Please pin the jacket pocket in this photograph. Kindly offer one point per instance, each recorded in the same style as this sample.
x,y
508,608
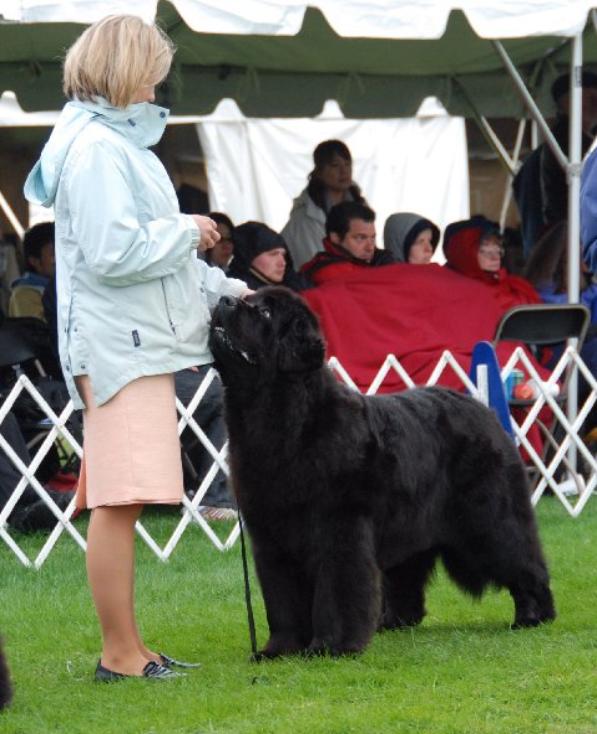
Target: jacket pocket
x,y
185,303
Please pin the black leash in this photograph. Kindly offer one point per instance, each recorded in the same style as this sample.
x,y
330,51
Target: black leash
x,y
250,617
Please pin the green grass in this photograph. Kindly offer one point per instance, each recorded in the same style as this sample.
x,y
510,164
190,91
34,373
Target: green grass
x,y
463,670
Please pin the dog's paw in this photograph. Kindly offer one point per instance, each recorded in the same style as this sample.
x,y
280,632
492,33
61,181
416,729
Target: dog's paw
x,y
400,621
279,647
321,648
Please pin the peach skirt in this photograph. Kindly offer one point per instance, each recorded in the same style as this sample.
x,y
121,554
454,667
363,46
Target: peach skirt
x,y
131,450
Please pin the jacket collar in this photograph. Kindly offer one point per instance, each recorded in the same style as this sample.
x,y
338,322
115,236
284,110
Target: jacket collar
x,y
142,123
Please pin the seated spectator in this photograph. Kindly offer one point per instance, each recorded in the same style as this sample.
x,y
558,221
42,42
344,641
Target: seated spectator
x,y
221,253
330,182
349,245
547,271
473,247
9,269
27,291
410,238
261,258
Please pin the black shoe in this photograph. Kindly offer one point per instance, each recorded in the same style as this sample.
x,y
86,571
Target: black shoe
x,y
151,670
169,662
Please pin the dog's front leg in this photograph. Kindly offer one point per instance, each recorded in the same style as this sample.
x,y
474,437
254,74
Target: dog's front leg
x,y
287,596
347,599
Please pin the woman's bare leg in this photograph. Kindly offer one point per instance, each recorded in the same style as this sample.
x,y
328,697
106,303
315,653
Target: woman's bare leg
x,y
111,574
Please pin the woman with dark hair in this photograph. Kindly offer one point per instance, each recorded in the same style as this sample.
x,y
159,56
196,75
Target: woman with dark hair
x,y
261,258
222,252
330,182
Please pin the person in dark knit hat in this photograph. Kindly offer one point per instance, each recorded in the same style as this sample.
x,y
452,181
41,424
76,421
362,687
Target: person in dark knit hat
x,y
410,238
261,258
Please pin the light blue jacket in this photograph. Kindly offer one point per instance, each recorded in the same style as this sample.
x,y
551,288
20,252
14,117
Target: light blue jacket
x,y
133,298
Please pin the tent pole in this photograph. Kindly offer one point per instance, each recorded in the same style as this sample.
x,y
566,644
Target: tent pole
x,y
574,171
522,124
488,132
11,216
548,136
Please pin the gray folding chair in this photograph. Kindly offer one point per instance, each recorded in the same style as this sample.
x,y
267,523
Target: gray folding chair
x,y
540,326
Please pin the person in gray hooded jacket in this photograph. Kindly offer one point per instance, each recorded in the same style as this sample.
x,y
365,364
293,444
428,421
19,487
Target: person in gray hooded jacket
x,y
410,238
133,303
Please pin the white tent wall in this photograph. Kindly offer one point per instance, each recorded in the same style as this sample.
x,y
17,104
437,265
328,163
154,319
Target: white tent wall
x,y
257,166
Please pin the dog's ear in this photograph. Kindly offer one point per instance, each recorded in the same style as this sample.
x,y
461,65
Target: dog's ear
x,y
302,348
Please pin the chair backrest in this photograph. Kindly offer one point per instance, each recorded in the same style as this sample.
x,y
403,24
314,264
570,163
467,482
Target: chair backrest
x,y
544,323
14,346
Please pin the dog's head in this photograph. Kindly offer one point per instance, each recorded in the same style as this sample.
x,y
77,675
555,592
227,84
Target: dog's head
x,y
268,334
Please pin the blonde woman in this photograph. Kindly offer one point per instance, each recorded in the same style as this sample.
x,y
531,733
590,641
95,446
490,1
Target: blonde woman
x,y
133,306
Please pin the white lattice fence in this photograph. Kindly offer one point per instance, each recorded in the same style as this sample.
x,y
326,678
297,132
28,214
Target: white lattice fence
x,y
191,516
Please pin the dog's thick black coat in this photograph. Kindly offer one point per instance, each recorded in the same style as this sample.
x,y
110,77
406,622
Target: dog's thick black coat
x,y
349,499
5,687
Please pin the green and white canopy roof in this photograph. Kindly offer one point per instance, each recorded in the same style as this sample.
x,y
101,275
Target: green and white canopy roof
x,y
378,58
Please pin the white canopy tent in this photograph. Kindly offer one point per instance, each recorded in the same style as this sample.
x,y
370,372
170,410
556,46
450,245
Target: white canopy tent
x,y
286,57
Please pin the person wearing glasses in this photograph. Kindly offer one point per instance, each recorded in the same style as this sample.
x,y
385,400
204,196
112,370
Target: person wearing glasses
x,y
474,248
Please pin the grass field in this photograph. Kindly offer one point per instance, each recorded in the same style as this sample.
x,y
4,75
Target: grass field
x,y
463,670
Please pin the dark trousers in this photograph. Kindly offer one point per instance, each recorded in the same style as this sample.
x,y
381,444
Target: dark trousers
x,y
210,416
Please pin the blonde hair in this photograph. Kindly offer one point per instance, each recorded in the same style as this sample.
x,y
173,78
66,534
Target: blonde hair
x,y
114,58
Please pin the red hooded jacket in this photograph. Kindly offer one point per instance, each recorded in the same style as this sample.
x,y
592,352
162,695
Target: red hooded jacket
x,y
461,246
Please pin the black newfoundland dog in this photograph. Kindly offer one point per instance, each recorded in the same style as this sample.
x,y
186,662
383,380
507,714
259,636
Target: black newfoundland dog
x,y
349,500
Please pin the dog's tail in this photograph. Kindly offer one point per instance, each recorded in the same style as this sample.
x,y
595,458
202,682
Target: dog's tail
x,y
5,686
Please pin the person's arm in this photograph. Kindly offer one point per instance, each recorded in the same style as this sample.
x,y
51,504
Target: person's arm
x,y
217,284
104,218
588,212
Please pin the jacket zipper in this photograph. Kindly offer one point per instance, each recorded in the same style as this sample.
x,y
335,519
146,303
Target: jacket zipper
x,y
167,307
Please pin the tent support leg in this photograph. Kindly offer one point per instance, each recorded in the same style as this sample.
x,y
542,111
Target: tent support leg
x,y
522,124
531,105
574,172
488,132
11,216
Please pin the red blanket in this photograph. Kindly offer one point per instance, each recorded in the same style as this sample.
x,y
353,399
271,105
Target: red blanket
x,y
412,311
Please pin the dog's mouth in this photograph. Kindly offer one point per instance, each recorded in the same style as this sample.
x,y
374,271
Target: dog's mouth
x,y
223,337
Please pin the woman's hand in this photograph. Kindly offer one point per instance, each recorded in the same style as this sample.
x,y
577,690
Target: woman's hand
x,y
245,293
209,233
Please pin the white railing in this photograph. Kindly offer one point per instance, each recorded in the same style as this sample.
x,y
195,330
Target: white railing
x,y
584,483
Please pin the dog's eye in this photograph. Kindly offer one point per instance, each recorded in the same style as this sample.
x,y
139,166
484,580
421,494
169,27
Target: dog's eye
x,y
265,312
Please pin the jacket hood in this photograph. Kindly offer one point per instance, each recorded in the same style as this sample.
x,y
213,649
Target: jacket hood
x,y
142,123
401,230
461,246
